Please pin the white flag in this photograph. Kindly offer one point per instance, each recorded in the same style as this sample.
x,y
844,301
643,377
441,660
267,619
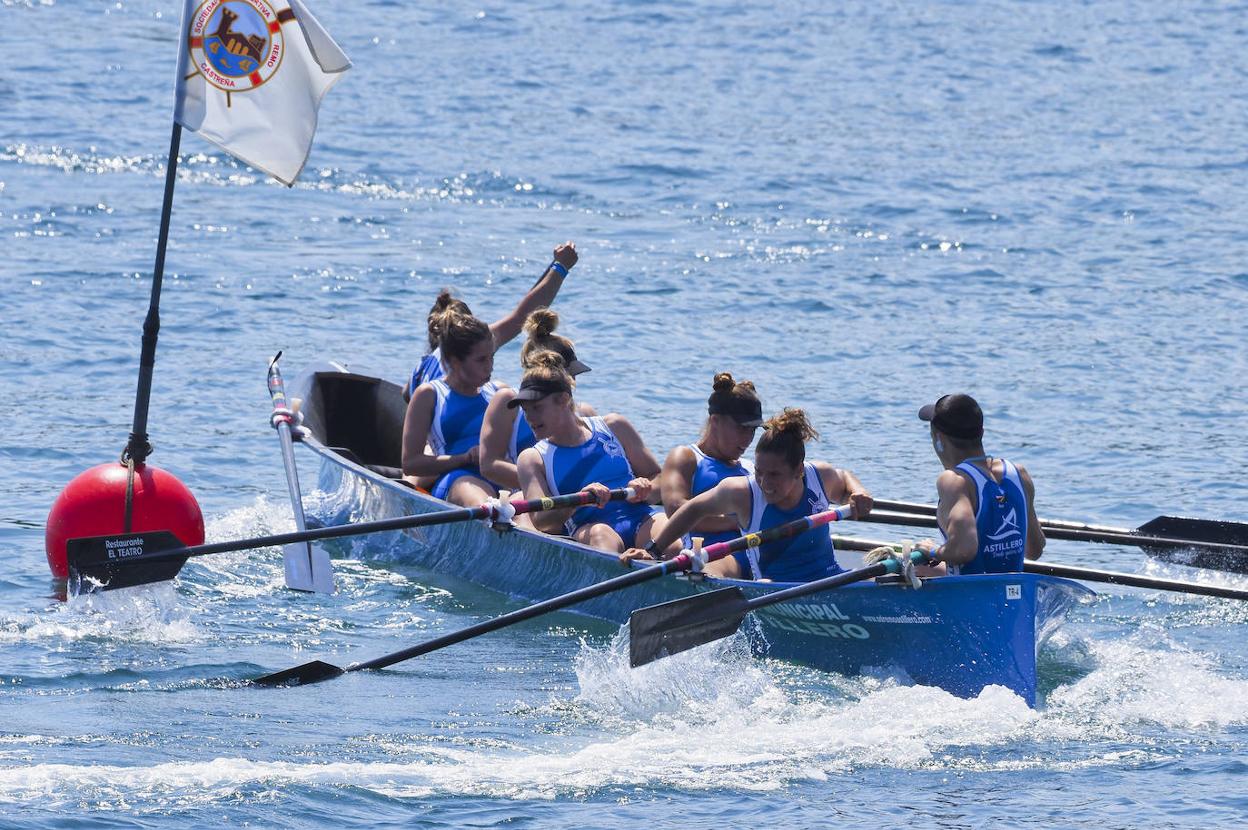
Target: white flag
x,y
251,75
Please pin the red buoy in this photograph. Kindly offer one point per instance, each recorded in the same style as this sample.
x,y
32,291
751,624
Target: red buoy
x,y
94,504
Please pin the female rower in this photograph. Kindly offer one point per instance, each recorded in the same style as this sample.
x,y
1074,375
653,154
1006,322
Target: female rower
x,y
443,424
734,415
506,433
575,453
432,366
784,486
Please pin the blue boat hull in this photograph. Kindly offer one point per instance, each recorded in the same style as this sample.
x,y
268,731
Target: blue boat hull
x,y
958,633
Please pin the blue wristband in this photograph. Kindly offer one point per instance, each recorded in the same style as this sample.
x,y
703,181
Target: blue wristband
x,y
558,268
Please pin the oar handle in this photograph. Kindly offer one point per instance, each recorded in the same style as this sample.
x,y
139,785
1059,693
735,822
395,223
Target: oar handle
x,y
580,499
277,392
719,550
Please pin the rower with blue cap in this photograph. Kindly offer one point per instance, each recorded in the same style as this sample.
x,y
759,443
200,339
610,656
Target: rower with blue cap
x,y
734,414
986,509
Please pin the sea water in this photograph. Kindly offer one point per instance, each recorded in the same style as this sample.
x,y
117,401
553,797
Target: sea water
x,y
859,206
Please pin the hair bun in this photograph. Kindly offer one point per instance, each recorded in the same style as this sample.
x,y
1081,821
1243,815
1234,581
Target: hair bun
x,y
723,382
541,323
546,359
793,421
444,301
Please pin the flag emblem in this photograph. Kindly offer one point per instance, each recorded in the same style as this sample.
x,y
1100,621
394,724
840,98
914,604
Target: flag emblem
x,y
274,63
236,45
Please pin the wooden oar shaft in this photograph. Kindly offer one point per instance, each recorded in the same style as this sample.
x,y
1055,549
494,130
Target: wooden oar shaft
x,y
850,543
1134,580
930,510
1129,537
589,592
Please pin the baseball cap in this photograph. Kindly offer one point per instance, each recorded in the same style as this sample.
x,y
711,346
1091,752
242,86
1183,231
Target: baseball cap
x,y
955,415
534,389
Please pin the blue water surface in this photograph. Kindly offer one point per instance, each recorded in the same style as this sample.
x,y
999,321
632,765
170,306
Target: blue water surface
x,y
859,206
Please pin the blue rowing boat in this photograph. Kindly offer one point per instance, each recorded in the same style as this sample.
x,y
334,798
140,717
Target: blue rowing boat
x,y
959,633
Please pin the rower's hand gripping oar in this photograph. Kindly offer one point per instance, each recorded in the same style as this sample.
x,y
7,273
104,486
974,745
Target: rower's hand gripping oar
x,y
672,627
307,568
109,562
1225,544
318,670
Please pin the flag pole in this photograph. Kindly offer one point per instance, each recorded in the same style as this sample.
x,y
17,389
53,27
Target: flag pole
x,y
138,448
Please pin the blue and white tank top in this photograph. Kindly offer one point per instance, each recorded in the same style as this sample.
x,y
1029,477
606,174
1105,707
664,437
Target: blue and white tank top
x,y
428,370
457,418
1000,522
522,436
601,458
800,558
708,473
711,471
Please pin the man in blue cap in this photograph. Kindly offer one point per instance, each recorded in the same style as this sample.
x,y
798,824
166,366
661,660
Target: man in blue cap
x,y
986,509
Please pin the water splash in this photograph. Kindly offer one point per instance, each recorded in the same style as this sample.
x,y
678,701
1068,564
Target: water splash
x,y
1147,680
146,614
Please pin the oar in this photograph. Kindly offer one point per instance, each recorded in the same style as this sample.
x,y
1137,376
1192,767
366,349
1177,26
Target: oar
x,y
1084,574
1225,542
109,562
672,627
318,670
307,568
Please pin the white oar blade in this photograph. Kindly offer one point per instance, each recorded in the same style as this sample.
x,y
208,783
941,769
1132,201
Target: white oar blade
x,y
322,572
308,569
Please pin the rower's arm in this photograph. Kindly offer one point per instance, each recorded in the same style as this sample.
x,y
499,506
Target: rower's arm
x,y
955,514
676,481
1035,533
496,430
843,486
415,460
540,295
643,462
531,471
676,486
731,497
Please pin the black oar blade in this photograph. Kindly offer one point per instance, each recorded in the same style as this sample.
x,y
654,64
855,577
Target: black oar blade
x,y
1199,530
313,672
106,563
672,627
